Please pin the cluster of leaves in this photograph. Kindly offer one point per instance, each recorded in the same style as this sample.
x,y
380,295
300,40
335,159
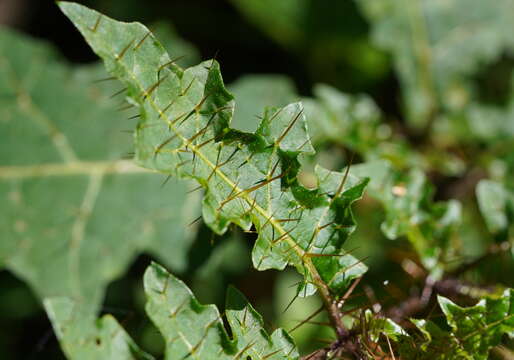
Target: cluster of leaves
x,y
260,177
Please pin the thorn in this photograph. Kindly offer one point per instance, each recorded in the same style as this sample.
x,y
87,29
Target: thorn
x,y
134,117
345,177
230,157
163,144
122,53
305,143
291,302
105,79
253,188
199,133
229,195
205,142
126,107
289,127
171,62
168,106
308,319
166,181
188,87
243,350
271,354
195,220
282,236
194,163
331,255
288,220
216,166
274,115
348,292
199,106
274,167
193,190
95,27
118,92
142,40
153,87
182,163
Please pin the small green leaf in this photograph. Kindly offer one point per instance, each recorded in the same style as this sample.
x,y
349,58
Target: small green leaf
x,y
473,330
197,331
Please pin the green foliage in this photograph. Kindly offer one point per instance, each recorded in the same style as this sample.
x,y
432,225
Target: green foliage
x,y
61,242
248,178
194,330
437,48
496,204
189,328
473,330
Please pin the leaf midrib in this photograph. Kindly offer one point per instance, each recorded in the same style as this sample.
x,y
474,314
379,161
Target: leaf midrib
x,y
71,169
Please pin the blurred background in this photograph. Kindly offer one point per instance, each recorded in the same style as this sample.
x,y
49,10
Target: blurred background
x,y
320,42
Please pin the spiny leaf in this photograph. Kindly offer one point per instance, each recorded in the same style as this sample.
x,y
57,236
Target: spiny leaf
x,y
248,178
474,330
196,331
74,214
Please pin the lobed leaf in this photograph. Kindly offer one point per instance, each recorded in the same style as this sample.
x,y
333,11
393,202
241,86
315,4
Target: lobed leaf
x,y
474,330
249,179
196,331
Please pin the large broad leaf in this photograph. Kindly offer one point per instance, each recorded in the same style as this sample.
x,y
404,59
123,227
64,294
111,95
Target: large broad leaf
x,y
474,330
437,46
249,179
83,337
74,214
196,331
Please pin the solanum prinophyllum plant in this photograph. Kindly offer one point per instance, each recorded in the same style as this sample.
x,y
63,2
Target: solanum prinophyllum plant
x,y
264,182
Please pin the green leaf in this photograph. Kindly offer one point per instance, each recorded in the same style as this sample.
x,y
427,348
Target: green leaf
x,y
74,215
493,200
378,326
196,331
474,330
248,178
437,47
481,326
82,337
410,210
